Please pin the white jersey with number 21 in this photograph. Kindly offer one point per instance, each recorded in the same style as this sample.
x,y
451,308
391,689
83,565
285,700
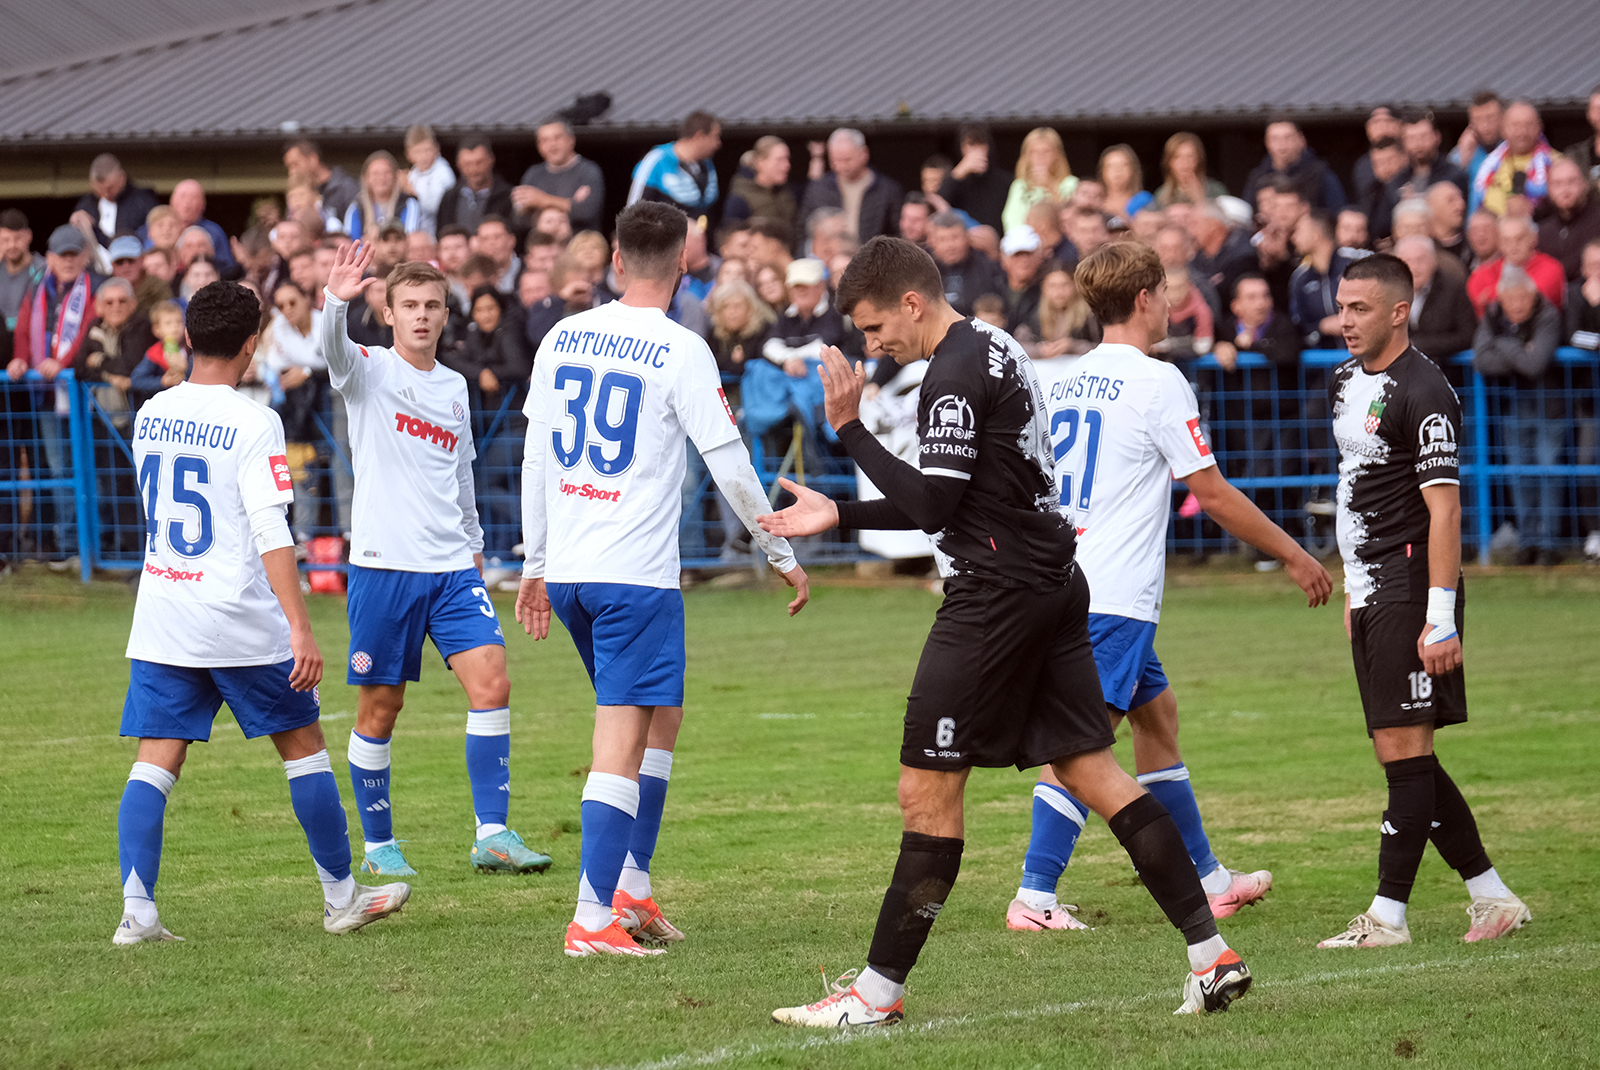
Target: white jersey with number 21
x,y
1123,426
615,390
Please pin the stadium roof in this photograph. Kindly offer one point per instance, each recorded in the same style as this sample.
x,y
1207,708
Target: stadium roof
x,y
80,71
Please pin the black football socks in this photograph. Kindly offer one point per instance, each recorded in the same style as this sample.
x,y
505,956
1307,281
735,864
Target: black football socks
x,y
923,876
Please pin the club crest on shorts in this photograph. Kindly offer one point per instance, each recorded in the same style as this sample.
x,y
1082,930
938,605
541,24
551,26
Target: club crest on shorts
x,y
361,662
457,411
1374,417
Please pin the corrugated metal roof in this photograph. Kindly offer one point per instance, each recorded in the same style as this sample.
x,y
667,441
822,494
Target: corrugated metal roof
x,y
370,66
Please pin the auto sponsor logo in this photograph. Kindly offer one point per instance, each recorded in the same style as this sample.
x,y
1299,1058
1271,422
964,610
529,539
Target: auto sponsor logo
x,y
1436,434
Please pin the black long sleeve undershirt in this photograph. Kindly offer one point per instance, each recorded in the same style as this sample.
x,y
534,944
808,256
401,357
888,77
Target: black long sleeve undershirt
x,y
910,498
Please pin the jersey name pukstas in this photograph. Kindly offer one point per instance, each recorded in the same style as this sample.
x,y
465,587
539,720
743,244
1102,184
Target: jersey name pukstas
x,y
1123,425
207,457
1398,431
415,508
615,391
981,418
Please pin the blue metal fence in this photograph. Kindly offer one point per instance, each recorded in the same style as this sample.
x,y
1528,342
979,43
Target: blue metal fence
x,y
1529,459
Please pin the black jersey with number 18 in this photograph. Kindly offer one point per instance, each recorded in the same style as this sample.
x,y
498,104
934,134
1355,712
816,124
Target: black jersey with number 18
x,y
1398,431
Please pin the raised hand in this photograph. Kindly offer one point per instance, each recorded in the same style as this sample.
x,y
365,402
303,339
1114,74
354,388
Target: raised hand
x,y
347,280
841,387
811,514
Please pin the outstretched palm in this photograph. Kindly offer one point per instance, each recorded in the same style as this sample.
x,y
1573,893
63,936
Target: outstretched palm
x,y
811,514
347,279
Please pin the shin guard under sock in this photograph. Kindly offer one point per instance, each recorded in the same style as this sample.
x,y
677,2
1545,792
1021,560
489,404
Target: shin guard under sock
x,y
923,877
1406,824
1155,846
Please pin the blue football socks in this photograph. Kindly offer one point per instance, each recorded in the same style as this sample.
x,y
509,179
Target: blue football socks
x,y
1058,820
654,773
489,767
139,823
610,804
1171,788
314,794
369,783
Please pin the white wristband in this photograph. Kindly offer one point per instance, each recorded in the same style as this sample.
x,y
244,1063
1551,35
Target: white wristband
x,y
1441,615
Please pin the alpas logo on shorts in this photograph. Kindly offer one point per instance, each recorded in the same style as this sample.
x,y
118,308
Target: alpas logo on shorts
x,y
280,471
361,662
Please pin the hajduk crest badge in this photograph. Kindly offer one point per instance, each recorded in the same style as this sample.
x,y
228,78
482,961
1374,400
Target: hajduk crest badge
x,y
1374,417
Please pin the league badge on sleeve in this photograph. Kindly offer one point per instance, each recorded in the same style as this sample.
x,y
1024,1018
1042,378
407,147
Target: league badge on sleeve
x,y
457,411
280,471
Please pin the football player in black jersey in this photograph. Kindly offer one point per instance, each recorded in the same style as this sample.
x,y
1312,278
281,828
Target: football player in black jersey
x,y
1397,423
1008,674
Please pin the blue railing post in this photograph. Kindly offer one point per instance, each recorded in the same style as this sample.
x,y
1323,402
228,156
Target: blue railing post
x,y
1480,446
81,437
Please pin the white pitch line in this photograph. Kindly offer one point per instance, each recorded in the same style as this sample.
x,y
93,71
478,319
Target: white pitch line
x,y
835,1038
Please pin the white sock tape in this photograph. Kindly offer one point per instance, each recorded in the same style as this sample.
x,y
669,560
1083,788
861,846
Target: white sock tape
x,y
155,776
1160,776
489,722
1441,614
1059,803
307,766
365,754
656,763
613,790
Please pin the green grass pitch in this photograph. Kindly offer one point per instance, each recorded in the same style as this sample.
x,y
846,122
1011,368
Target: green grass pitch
x,y
780,833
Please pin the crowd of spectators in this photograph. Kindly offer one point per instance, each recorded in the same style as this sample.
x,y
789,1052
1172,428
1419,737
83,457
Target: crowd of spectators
x,y
1501,232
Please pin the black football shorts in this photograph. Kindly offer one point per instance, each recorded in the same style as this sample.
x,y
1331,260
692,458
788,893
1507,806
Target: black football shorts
x,y
1395,691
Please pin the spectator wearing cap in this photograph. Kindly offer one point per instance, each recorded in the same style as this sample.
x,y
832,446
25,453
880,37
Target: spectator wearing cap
x,y
1287,154
562,179
127,262
1042,174
334,186
1022,255
381,200
761,189
480,192
967,273
972,186
20,266
1442,317
1518,168
1183,169
1518,248
808,323
1574,219
1586,153
1515,347
1314,285
870,199
680,172
1382,125
113,205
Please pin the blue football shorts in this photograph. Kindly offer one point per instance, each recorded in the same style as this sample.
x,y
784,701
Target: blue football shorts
x,y
179,702
630,639
1125,655
392,611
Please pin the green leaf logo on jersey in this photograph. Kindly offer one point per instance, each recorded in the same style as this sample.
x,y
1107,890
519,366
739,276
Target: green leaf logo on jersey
x,y
1374,417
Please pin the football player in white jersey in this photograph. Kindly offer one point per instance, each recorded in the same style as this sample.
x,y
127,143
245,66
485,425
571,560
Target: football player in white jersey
x,y
220,617
615,392
1123,426
416,557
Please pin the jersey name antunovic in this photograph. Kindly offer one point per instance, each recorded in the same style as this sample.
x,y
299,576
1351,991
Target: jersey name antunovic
x,y
1398,431
615,390
207,457
1123,426
411,441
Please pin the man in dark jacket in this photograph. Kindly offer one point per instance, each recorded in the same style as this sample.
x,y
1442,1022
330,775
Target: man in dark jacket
x,y
1515,347
480,192
1442,317
113,205
1586,153
336,186
870,199
974,186
1574,220
967,273
1287,154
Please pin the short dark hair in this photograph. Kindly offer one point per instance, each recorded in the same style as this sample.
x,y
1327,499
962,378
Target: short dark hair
x,y
256,240
1252,276
478,264
540,237
939,161
771,229
305,146
1413,116
650,237
454,230
1322,219
475,140
1283,185
556,120
697,122
974,134
1485,96
916,196
221,318
494,217
1111,278
883,270
1388,271
13,219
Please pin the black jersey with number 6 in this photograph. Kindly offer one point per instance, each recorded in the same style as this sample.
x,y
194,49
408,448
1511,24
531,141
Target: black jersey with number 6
x,y
1398,431
981,419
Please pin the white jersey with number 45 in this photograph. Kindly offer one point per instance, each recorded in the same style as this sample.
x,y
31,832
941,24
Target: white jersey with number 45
x,y
614,392
1123,426
208,458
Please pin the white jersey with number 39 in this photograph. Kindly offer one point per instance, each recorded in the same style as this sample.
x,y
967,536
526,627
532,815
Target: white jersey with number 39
x,y
615,390
1123,426
207,458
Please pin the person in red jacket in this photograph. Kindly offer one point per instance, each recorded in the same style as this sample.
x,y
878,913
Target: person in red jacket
x,y
1519,248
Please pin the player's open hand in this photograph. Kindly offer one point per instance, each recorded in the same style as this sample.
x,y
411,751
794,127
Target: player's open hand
x,y
841,387
346,280
307,671
811,514
796,578
1439,659
533,608
1313,579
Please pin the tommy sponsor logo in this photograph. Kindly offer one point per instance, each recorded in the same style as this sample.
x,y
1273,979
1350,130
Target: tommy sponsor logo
x,y
173,574
419,428
1199,438
280,471
361,662
592,492
726,407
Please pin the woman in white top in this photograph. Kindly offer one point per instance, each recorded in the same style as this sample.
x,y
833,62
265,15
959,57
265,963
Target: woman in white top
x,y
1043,174
381,200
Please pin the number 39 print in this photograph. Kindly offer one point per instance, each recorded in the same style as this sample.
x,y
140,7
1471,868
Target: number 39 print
x,y
613,416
